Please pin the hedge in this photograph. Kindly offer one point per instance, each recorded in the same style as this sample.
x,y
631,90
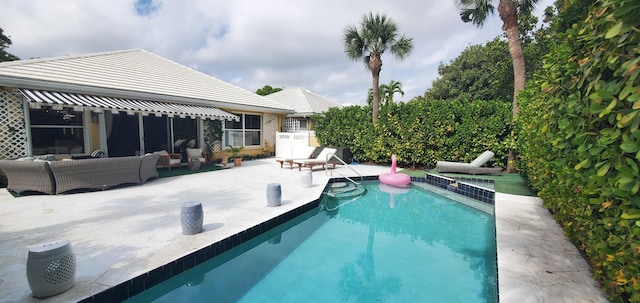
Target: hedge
x,y
419,133
579,143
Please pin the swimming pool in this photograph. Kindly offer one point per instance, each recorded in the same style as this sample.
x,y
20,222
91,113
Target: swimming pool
x,y
413,246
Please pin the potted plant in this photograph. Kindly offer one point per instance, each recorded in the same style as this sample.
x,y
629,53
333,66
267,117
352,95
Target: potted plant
x,y
235,154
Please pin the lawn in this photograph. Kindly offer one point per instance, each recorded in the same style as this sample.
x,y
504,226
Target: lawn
x,y
513,184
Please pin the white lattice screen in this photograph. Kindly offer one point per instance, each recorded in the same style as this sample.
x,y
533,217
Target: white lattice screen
x,y
13,138
291,125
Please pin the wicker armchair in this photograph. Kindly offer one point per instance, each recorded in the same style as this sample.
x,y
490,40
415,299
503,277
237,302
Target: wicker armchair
x,y
168,160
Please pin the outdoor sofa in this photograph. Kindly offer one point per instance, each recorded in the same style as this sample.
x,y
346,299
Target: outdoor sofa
x,y
55,177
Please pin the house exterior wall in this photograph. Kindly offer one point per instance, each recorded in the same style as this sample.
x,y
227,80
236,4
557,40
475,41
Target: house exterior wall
x,y
13,132
14,141
270,125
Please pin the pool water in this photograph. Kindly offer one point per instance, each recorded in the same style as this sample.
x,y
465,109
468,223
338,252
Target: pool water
x,y
405,246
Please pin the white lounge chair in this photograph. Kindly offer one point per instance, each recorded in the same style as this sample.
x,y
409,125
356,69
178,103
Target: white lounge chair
x,y
321,159
299,154
473,168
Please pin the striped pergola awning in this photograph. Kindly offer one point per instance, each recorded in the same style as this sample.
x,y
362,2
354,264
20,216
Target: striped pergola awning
x,y
81,102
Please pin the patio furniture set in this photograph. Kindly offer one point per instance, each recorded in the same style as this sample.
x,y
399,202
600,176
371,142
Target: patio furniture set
x,y
56,177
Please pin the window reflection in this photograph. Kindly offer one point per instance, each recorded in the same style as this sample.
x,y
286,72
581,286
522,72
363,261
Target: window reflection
x,y
245,132
56,131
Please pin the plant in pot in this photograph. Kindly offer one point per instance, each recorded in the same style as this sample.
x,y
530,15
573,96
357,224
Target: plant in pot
x,y
235,154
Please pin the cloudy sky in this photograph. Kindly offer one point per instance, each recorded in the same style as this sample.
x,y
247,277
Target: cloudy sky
x,y
251,43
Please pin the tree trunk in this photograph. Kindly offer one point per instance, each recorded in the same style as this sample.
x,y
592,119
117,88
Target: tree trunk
x,y
375,65
509,15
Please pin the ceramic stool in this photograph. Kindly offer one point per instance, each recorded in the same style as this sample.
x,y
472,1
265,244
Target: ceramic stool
x,y
194,163
274,194
191,217
307,179
51,268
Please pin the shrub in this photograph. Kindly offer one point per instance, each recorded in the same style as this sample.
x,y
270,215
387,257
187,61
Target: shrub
x,y
580,146
419,133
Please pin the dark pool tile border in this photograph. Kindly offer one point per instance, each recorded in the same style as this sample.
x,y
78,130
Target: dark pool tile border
x,y
478,193
128,289
152,278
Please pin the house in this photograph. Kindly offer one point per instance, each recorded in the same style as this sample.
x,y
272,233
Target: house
x,y
297,126
125,103
305,103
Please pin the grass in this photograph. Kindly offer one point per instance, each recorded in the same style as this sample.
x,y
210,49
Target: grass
x,y
513,184
184,170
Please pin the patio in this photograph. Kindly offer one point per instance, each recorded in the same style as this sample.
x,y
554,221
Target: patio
x,y
119,234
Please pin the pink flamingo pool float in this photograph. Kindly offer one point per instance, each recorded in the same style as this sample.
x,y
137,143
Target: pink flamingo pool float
x,y
394,178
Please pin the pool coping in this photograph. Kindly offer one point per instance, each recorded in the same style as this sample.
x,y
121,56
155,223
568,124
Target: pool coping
x,y
136,285
536,262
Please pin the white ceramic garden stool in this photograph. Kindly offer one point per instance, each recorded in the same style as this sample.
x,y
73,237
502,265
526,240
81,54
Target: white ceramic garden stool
x,y
51,268
307,179
274,194
191,217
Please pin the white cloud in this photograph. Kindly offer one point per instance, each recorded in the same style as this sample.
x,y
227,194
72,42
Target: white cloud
x,y
250,43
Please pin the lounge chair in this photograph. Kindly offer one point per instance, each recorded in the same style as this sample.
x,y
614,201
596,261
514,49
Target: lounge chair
x,y
473,168
321,159
299,154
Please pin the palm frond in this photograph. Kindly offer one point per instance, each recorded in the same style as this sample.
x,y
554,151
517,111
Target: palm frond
x,y
402,47
475,11
526,6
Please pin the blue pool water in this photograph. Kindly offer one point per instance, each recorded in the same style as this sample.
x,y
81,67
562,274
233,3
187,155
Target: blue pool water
x,y
403,247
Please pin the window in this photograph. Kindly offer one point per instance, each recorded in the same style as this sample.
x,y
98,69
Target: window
x,y
56,131
245,132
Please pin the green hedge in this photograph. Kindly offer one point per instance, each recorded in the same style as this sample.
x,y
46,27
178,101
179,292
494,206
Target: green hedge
x,y
419,133
580,146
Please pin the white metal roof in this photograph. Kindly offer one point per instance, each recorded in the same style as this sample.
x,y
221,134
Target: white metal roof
x,y
135,74
303,101
80,102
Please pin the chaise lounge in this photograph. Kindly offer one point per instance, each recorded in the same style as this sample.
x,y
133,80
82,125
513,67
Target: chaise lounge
x,y
302,153
473,168
321,159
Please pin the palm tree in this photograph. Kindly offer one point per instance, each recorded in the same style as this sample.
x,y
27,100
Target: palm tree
x,y
477,11
386,92
376,35
391,89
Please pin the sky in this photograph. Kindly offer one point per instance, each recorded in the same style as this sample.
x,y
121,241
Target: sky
x,y
252,43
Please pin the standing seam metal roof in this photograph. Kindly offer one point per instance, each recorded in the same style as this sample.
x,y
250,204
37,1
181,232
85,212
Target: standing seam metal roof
x,y
135,71
303,101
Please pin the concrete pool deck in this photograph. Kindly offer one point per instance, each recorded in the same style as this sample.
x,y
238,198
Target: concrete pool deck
x,y
119,234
